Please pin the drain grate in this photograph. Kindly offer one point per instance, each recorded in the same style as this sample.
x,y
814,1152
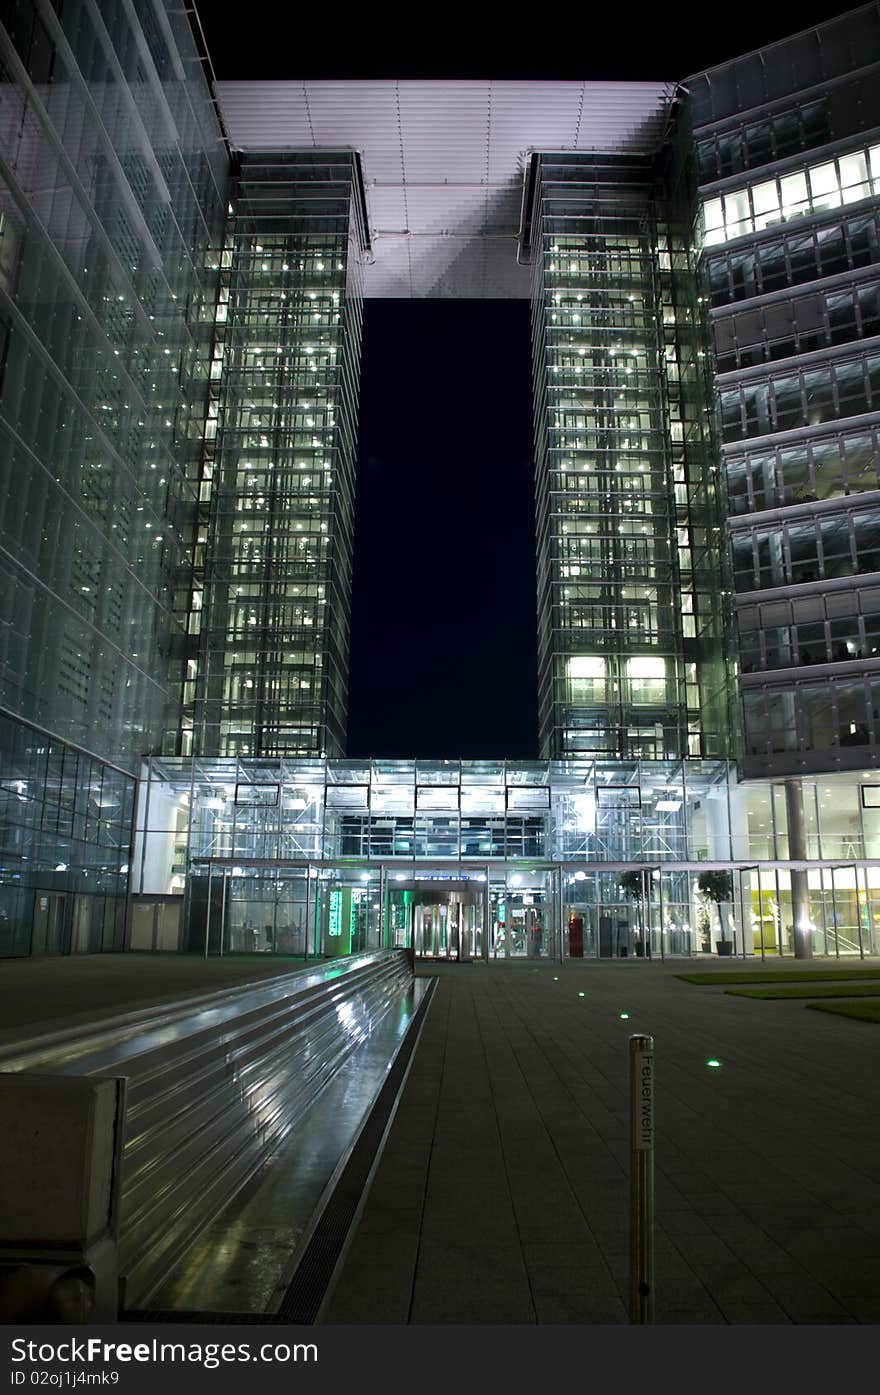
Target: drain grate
x,y
305,1294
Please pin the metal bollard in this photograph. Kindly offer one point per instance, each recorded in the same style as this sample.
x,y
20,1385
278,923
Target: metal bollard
x,y
641,1081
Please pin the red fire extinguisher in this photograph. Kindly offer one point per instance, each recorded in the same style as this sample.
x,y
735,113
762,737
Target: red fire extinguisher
x,y
576,937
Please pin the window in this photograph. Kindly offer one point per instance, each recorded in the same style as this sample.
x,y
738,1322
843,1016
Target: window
x,y
824,186
765,203
854,177
256,794
586,679
820,186
647,680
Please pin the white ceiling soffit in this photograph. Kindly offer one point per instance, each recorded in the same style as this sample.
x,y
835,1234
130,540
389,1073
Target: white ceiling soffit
x,y
443,162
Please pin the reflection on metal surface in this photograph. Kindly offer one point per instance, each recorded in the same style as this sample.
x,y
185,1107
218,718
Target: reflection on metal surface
x,y
245,1260
215,1085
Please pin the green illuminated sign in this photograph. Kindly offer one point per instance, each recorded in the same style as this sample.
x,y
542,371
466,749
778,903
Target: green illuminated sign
x,y
335,926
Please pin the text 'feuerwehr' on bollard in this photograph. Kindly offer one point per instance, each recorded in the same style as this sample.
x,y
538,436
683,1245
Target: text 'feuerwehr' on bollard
x,y
641,1083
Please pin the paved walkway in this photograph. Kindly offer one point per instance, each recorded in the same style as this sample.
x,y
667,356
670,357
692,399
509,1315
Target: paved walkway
x,y
502,1193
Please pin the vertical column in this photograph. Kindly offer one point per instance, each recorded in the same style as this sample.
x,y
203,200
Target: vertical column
x,y
487,917
797,851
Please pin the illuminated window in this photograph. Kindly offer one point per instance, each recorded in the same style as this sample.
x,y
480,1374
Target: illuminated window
x,y
795,198
854,177
647,679
765,202
820,186
824,186
586,678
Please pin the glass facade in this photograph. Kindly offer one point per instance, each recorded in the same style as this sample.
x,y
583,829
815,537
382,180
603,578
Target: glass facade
x,y
112,191
499,859
103,294
66,820
807,188
628,520
180,337
266,669
790,209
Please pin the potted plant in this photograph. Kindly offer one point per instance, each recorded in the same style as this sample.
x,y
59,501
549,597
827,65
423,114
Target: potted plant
x,y
704,928
717,886
632,884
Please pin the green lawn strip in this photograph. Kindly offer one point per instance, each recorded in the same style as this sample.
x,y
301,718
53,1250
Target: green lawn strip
x,y
863,1012
779,976
818,990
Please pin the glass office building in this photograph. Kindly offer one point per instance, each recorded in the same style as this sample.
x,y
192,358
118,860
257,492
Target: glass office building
x,y
269,609
497,860
630,631
787,145
180,324
112,197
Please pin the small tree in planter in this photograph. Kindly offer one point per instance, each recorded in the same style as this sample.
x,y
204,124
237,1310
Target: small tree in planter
x,y
632,884
717,886
704,927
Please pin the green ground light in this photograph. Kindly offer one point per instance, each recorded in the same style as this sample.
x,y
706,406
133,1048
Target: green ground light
x,y
714,1063
624,1015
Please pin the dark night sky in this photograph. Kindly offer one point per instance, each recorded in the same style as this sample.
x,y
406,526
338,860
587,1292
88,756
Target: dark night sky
x,y
443,625
443,651
470,41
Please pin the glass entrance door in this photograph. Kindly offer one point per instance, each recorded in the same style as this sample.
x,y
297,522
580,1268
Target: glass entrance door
x,y
521,916
465,926
439,921
450,929
431,939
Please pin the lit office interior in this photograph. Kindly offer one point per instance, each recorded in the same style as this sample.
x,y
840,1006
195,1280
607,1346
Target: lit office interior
x,y
497,860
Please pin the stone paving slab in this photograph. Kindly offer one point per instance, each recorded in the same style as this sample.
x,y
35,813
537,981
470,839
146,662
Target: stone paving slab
x,y
502,1194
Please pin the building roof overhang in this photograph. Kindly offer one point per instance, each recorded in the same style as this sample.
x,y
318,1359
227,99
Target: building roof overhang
x,y
444,162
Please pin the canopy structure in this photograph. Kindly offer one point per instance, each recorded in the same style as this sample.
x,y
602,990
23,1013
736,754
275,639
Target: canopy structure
x,y
443,162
